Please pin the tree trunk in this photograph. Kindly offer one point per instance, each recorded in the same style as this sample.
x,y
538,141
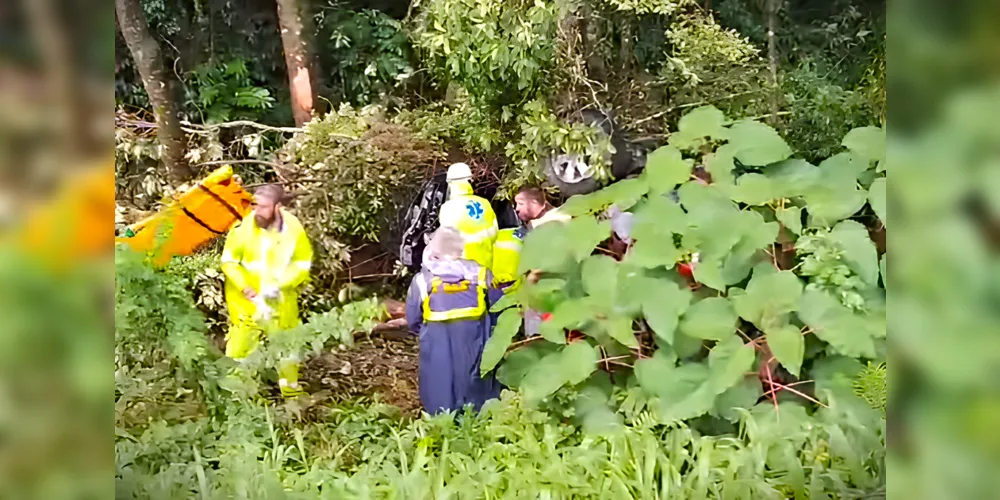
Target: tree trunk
x,y
772,54
292,21
62,80
157,81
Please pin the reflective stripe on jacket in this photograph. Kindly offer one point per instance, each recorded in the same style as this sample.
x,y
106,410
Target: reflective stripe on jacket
x,y
450,301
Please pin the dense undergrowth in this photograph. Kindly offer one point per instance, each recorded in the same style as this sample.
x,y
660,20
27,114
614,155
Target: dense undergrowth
x,y
190,423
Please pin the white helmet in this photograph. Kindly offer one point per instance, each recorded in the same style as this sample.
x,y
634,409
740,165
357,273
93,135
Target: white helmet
x,y
458,172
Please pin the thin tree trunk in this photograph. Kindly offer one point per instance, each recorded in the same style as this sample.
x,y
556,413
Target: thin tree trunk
x,y
772,54
62,80
292,21
157,81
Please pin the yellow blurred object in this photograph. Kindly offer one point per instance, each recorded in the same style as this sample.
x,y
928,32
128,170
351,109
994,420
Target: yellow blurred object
x,y
196,217
74,223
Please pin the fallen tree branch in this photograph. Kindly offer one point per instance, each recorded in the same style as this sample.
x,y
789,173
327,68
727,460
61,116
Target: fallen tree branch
x,y
256,162
243,123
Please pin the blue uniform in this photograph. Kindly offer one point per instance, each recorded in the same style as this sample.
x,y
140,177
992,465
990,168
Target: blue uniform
x,y
446,306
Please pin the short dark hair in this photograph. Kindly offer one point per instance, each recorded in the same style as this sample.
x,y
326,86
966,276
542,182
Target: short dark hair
x,y
533,193
273,191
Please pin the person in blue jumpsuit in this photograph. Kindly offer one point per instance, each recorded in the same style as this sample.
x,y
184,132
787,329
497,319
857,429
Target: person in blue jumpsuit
x,y
446,306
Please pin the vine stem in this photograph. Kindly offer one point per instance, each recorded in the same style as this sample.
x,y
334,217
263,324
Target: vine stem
x,y
519,343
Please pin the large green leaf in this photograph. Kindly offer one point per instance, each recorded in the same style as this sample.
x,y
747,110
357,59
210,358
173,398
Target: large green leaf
x,y
579,360
866,142
757,144
788,346
756,189
507,326
849,333
792,177
835,196
652,372
770,297
546,248
600,278
623,194
683,392
791,218
860,253
743,395
570,365
662,305
876,198
620,329
728,362
705,203
665,169
847,164
653,251
704,121
710,319
659,215
545,377
584,233
569,314
520,361
720,164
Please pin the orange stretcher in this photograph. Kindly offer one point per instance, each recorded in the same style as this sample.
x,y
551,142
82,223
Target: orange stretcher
x,y
193,219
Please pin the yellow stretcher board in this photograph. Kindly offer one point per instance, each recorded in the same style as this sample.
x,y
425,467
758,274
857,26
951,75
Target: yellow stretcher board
x,y
193,219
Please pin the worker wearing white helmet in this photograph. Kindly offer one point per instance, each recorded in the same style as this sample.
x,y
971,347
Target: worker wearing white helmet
x,y
471,215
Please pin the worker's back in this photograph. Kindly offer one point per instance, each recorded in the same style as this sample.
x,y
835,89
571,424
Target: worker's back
x,y
473,217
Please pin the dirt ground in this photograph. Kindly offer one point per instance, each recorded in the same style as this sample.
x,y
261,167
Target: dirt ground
x,y
385,364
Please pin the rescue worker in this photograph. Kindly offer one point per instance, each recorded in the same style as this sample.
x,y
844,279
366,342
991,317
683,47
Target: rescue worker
x,y
446,306
506,258
534,209
266,260
471,215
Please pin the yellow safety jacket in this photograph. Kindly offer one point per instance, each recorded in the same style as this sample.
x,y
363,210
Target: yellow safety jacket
x,y
506,258
453,301
257,258
473,217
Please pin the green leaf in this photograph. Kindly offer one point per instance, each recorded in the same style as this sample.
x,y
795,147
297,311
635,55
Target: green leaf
x,y
860,253
835,196
847,164
505,302
665,169
710,319
705,121
770,297
600,278
705,203
654,251
652,372
720,164
570,314
624,194
791,218
728,362
757,144
756,189
740,396
544,378
709,273
867,142
545,248
876,198
850,334
788,346
686,393
882,268
584,233
658,215
507,326
578,360
662,306
620,329
520,361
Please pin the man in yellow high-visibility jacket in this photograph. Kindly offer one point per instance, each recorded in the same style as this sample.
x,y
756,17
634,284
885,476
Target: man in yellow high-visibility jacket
x,y
507,257
471,215
266,260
